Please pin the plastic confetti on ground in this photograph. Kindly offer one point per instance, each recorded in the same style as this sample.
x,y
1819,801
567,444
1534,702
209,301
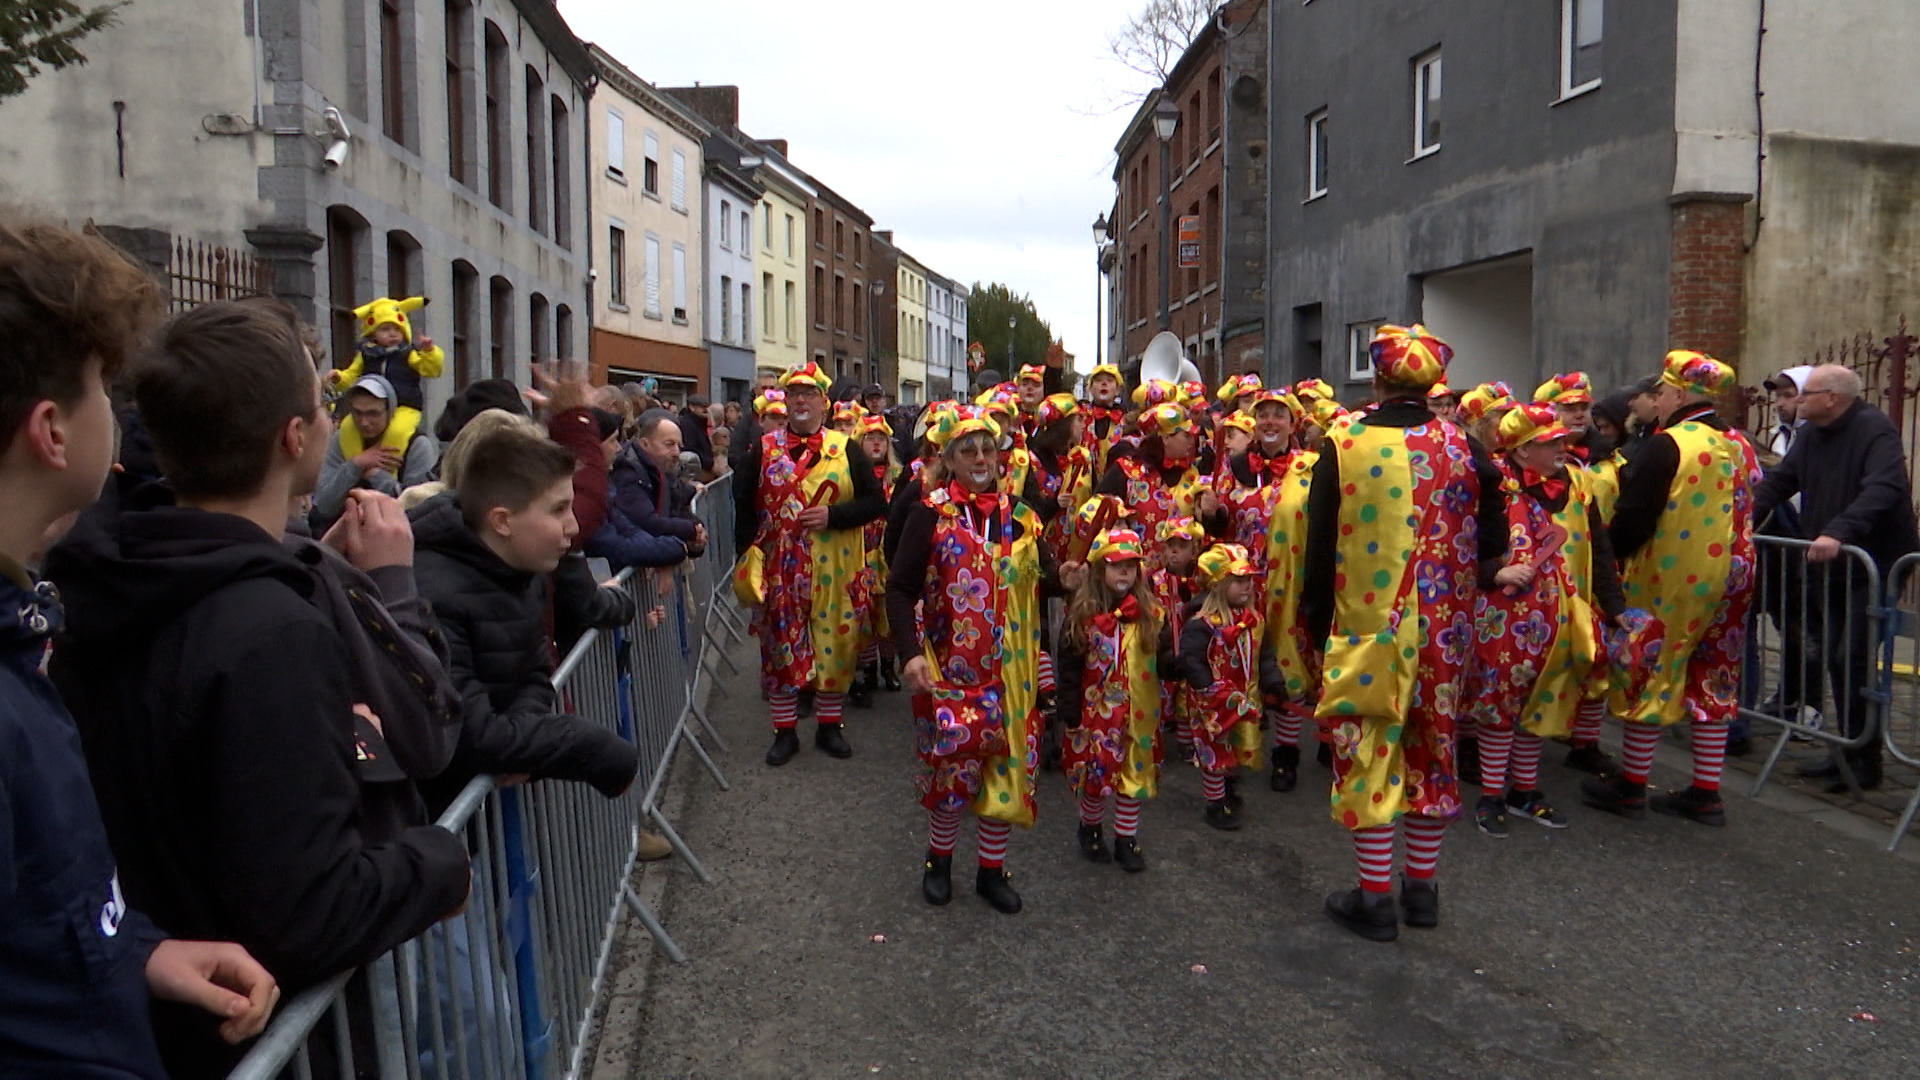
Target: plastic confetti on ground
x,y
878,939
1866,1016
1198,969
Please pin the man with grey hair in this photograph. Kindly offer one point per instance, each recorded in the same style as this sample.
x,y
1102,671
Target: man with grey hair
x,y
1850,472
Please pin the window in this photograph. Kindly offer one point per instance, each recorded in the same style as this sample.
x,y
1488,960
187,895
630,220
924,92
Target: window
x,y
819,228
394,93
536,152
1580,33
1317,154
679,189
746,314
459,26
500,319
726,223
650,168
562,139
563,332
792,336
766,240
617,267
498,190
466,283
789,236
679,283
1360,349
839,238
840,303
726,308
538,327
346,246
746,232
1213,107
819,297
1426,104
766,298
652,270
616,145
859,310
1196,139
403,278
856,247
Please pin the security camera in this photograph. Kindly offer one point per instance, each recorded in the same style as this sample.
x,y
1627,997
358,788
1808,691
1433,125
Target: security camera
x,y
336,155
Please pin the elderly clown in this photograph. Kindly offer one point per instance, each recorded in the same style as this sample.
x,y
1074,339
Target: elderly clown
x,y
1571,396
805,494
970,559
1401,514
1162,478
1480,411
1683,530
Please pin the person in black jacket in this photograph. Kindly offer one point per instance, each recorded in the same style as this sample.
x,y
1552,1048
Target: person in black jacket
x,y
694,438
485,550
214,700
1849,469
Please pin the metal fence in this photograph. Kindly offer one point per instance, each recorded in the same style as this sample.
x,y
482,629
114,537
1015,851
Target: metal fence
x,y
511,986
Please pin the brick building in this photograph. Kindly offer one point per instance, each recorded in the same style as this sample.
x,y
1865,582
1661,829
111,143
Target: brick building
x,y
841,277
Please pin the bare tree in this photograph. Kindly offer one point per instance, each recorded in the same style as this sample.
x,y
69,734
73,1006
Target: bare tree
x,y
1153,40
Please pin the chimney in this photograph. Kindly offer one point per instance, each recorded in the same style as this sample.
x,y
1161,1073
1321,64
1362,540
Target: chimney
x,y
717,105
884,234
778,146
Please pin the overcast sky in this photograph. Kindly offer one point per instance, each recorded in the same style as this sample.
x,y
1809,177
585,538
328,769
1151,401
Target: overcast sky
x,y
982,134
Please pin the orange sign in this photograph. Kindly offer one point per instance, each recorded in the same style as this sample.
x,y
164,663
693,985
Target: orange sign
x,y
1189,241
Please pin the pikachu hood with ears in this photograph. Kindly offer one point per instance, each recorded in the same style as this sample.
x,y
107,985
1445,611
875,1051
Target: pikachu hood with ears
x,y
385,310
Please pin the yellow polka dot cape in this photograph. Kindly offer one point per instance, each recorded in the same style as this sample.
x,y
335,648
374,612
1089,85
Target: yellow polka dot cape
x,y
809,624
1286,635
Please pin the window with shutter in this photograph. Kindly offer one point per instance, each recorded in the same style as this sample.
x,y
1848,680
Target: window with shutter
x,y
679,180
616,145
679,283
653,276
650,168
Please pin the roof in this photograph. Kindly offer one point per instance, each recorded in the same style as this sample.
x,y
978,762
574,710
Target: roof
x,y
619,78
557,36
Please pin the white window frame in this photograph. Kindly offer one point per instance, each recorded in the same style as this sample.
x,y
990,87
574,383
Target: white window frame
x,y
678,188
1427,71
1359,351
616,145
1569,10
617,266
652,272
1316,154
746,233
726,308
680,283
650,155
726,224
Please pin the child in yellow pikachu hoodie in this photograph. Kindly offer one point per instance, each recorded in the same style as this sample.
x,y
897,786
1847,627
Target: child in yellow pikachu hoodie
x,y
387,348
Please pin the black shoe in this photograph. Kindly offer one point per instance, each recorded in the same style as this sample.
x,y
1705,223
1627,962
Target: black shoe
x,y
828,739
1286,768
1615,795
1867,773
1591,759
803,708
1420,902
860,694
1533,806
1694,804
1739,747
1369,915
1824,769
995,886
889,677
937,883
1221,815
1126,852
1490,815
1234,799
785,745
1466,760
1092,846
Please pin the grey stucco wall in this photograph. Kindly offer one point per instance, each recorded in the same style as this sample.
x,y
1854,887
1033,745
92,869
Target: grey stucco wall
x,y
1582,184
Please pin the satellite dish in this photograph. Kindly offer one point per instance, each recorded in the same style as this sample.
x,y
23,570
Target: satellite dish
x,y
1166,361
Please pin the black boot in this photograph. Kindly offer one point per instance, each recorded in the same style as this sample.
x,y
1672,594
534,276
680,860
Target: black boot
x,y
1370,915
937,883
1126,852
1233,794
828,739
1420,900
1694,804
888,676
860,694
1466,760
1091,844
995,886
1324,756
1286,768
1591,759
1615,795
785,745
1221,815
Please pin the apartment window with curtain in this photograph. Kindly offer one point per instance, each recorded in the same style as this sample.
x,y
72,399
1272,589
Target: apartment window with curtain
x,y
561,136
617,267
499,182
466,286
819,297
403,272
537,208
459,27
679,189
616,145
1581,27
839,303
346,248
766,240
650,166
1213,107
652,270
1426,104
679,284
726,308
859,310
395,94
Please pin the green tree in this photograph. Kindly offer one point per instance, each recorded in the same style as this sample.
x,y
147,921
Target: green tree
x,y
38,35
987,310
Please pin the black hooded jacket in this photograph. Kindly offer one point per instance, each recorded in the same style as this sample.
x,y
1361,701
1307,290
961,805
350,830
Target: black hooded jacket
x,y
500,659
214,703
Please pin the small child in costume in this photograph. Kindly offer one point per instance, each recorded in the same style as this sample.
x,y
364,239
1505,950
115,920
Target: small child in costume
x,y
1110,687
876,656
1174,582
1221,659
388,349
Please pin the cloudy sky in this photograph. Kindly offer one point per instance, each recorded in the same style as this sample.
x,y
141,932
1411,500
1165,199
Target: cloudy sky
x,y
982,133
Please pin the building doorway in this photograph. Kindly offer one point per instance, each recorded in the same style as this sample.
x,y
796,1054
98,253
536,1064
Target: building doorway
x,y
1485,312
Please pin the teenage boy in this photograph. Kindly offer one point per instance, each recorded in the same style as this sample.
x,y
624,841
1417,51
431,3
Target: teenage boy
x,y
213,697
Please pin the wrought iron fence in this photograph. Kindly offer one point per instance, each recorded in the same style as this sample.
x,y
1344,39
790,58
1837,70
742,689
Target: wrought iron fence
x,y
200,273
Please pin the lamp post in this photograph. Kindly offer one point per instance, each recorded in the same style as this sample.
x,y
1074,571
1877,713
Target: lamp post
x,y
1166,117
1099,260
875,289
1013,321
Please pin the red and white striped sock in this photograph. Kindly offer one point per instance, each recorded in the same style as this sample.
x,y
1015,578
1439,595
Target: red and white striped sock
x,y
1373,846
785,707
1045,676
1466,727
1636,750
1093,809
1587,721
828,708
1126,815
943,830
1183,729
1496,747
991,837
1709,753
1213,783
870,653
1286,726
1423,835
1524,766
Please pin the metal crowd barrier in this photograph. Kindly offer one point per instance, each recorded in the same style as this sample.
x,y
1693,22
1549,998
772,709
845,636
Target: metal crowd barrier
x,y
1901,663
511,986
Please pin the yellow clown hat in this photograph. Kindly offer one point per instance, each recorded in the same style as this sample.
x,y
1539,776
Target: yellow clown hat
x,y
1409,357
1222,561
1057,407
848,412
1310,390
1439,390
1239,386
1096,513
1277,396
377,313
1325,412
1164,420
772,402
808,374
1155,392
1192,393
1032,373
1239,421
1104,369
1485,399
961,421
1178,527
1696,373
1119,544
1535,422
1573,388
873,424
930,420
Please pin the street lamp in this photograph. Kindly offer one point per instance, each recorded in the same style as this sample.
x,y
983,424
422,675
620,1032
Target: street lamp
x,y
1099,257
1012,322
1166,117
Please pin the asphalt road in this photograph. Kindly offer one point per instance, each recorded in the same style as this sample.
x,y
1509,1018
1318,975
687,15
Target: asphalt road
x,y
1773,947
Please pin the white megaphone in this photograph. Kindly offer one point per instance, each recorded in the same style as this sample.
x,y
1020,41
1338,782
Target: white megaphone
x,y
1166,361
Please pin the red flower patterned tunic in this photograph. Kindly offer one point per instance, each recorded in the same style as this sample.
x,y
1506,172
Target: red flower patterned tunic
x,y
1226,728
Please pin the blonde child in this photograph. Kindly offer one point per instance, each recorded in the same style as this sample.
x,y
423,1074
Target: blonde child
x,y
1223,665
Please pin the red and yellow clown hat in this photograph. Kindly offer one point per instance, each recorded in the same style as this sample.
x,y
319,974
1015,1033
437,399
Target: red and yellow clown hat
x,y
1535,422
1193,393
1573,388
808,373
1119,544
1032,373
959,422
1439,390
848,412
1105,369
1239,386
1325,412
1179,527
1164,420
1055,408
1000,399
771,402
1100,510
1238,421
1222,561
1310,390
1409,357
873,424
1483,400
1696,373
930,420
1155,392
1277,396
384,311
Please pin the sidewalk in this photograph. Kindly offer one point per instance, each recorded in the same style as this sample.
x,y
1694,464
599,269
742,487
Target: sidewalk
x,y
1658,948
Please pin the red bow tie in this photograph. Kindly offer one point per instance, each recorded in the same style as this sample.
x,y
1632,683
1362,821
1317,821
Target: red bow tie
x,y
987,502
1180,464
1129,608
1103,412
1550,486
